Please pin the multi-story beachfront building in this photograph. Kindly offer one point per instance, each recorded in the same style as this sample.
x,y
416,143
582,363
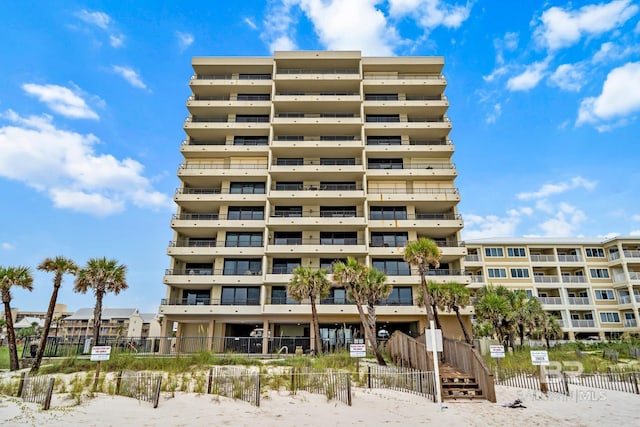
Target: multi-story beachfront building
x,y
305,158
592,286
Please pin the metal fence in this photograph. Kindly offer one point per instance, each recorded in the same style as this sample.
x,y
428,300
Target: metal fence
x,y
36,389
236,383
143,386
402,379
333,384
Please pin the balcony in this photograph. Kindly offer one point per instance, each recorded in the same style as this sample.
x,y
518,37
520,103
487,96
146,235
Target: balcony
x,y
434,148
209,169
194,149
440,198
210,306
245,104
409,169
204,224
472,258
204,84
624,299
543,258
569,258
550,300
320,78
305,98
310,219
630,323
209,276
635,254
335,246
583,323
328,191
328,144
546,279
578,300
202,250
199,198
431,84
349,169
206,127
574,279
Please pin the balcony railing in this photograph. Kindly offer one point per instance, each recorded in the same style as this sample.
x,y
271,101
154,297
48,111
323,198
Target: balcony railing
x,y
631,254
574,279
205,190
247,97
324,162
209,301
583,323
317,214
634,275
624,299
578,300
394,190
202,165
210,272
231,77
215,217
546,279
550,300
387,166
477,279
321,187
630,323
404,77
472,258
318,71
569,258
212,243
543,258
315,93
225,119
321,241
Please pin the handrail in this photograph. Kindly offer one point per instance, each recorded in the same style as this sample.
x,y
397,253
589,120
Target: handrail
x,y
321,162
205,165
467,358
318,71
394,190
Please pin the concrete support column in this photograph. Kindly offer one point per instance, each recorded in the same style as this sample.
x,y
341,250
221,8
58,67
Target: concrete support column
x,y
266,334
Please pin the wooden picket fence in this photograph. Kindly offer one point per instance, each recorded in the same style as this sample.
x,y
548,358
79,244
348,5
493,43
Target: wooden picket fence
x,y
402,379
144,386
36,389
336,385
236,383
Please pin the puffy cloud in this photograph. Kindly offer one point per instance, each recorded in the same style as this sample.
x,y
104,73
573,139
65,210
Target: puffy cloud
x,y
64,165
130,76
61,100
431,13
558,188
610,51
104,22
529,78
568,77
565,221
561,28
615,100
479,227
184,40
495,113
278,24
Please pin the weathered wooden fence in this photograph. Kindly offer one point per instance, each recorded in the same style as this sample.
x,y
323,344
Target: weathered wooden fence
x,y
236,383
36,389
531,380
409,352
402,379
144,386
335,385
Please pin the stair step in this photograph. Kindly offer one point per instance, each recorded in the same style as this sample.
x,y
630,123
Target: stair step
x,y
466,397
460,385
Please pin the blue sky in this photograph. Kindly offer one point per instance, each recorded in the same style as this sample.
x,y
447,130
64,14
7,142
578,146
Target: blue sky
x,y
545,99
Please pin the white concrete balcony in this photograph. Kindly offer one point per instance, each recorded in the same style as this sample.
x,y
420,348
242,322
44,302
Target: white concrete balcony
x,y
308,76
569,258
317,119
207,249
245,104
194,149
397,171
542,258
334,247
305,100
583,323
550,300
624,299
202,128
546,279
316,143
574,279
217,84
631,254
439,196
578,300
430,127
324,192
209,276
348,169
446,224
211,197
429,84
630,323
205,224
206,169
436,148
316,220
209,306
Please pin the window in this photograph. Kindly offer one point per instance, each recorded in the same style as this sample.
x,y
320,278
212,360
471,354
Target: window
x,y
327,263
337,211
388,212
384,164
604,294
287,238
196,297
338,238
242,266
337,161
384,140
400,295
279,296
516,252
284,265
297,161
493,252
336,296
519,273
247,188
288,211
610,317
243,240
594,252
497,273
529,293
391,240
250,140
599,273
245,212
392,267
240,295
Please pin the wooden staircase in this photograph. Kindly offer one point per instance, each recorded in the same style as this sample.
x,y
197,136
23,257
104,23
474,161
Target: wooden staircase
x,y
458,385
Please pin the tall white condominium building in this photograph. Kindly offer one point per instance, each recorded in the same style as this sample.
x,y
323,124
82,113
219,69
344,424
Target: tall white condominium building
x,y
592,286
306,158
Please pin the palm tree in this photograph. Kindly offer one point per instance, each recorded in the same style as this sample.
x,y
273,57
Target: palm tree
x,y
59,266
456,296
422,254
102,276
11,277
493,308
375,289
312,284
355,279
549,328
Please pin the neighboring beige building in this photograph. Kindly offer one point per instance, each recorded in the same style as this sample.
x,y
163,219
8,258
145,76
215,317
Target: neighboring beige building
x,y
305,158
115,322
592,286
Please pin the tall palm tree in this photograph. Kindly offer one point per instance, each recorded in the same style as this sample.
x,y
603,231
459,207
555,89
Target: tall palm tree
x,y
493,308
422,254
355,279
456,296
101,275
312,284
59,266
376,288
549,328
13,277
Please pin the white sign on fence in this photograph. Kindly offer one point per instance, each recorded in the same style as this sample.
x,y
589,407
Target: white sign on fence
x,y
540,357
496,350
99,353
358,350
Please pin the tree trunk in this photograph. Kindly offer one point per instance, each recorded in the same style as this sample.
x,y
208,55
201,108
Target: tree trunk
x,y
436,319
464,330
368,335
47,323
97,316
426,295
11,335
521,332
316,326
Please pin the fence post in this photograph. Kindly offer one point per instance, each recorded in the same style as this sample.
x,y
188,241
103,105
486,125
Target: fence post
x,y
210,381
258,389
293,382
21,383
118,382
369,376
635,383
156,395
565,380
47,399
349,389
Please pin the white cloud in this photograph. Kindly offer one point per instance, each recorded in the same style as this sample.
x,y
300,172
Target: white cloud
x,y
61,100
565,221
431,13
278,25
495,113
616,99
479,227
99,19
610,51
553,189
250,23
116,40
335,20
530,77
635,217
64,165
130,76
184,40
561,28
568,77
7,246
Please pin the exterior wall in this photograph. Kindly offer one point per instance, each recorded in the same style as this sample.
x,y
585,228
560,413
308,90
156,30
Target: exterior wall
x,y
576,279
342,140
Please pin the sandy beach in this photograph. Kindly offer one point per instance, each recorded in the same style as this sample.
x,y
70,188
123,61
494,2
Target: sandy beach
x,y
375,407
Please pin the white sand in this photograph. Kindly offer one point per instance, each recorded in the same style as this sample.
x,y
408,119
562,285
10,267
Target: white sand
x,y
370,408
